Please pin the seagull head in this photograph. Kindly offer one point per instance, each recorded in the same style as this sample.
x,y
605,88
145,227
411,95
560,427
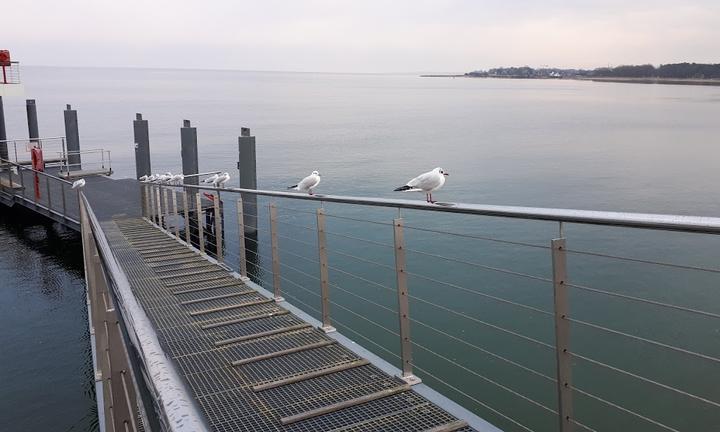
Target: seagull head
x,y
316,173
442,171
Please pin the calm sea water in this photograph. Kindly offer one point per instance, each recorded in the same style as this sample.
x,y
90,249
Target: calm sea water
x,y
601,146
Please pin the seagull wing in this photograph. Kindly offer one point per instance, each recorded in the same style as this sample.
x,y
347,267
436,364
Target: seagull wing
x,y
308,183
425,182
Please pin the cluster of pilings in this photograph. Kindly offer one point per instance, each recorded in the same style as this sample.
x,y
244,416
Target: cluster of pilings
x,y
72,134
247,169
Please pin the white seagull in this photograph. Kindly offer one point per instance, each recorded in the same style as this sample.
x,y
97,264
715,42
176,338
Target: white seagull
x,y
78,184
427,182
143,178
211,179
308,183
220,181
177,179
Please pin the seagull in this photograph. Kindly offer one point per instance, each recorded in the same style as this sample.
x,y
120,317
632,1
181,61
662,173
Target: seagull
x,y
308,183
78,184
427,182
220,181
211,179
177,179
143,178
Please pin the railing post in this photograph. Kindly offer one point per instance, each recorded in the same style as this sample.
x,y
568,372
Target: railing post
x,y
275,252
146,195
175,214
186,214
158,214
218,228
241,235
62,194
47,188
403,305
151,193
324,277
562,335
167,208
201,236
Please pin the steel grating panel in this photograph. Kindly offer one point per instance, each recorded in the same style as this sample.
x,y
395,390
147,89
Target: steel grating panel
x,y
162,273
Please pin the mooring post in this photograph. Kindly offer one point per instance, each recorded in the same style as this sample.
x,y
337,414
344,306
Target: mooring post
x,y
562,335
247,168
72,139
142,147
32,120
403,305
3,133
189,152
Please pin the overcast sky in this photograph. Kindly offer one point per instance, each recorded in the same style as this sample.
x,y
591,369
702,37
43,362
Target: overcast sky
x,y
360,35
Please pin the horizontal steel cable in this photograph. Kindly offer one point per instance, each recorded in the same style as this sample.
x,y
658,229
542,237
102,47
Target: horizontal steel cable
x,y
642,339
297,270
497,356
361,278
363,259
363,298
297,241
493,326
587,428
295,209
489,380
516,243
482,294
360,239
295,299
647,380
299,256
366,319
625,410
643,300
643,261
474,399
298,285
296,225
359,220
482,266
340,324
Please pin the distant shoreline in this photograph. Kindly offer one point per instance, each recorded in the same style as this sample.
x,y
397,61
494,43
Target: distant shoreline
x,y
672,81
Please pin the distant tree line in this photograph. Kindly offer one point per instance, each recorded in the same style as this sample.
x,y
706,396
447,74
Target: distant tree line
x,y
673,70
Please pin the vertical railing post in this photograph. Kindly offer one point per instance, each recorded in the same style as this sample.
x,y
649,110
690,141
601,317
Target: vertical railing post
x,y
324,277
47,188
151,208
403,305
218,228
146,195
186,214
275,252
62,194
175,214
201,234
562,335
241,239
158,214
167,208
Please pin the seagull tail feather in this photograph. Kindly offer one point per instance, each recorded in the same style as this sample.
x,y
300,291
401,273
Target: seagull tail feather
x,y
403,188
292,187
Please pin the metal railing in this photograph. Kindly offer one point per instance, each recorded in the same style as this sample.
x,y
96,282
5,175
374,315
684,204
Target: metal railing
x,y
580,338
93,161
10,74
40,191
54,150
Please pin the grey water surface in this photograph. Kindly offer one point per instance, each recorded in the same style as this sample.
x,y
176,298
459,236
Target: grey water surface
x,y
544,143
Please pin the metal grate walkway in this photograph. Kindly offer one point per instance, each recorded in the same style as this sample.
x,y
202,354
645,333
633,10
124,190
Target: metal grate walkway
x,y
250,364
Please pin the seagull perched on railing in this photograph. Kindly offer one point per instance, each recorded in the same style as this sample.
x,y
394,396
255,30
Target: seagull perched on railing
x,y
78,184
143,178
177,179
427,182
211,179
308,183
220,181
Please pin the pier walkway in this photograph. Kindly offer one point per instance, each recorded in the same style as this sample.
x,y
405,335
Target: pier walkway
x,y
250,364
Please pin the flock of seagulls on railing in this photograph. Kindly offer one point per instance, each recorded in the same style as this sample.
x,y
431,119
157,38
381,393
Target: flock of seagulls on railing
x,y
427,182
217,180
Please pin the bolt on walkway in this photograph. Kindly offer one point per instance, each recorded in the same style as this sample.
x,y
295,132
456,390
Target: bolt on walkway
x,y
250,364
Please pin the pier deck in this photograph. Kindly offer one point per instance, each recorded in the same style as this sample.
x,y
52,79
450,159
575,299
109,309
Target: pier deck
x,y
251,364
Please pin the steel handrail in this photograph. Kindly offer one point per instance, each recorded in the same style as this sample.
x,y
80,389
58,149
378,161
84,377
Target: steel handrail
x,y
23,167
683,223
